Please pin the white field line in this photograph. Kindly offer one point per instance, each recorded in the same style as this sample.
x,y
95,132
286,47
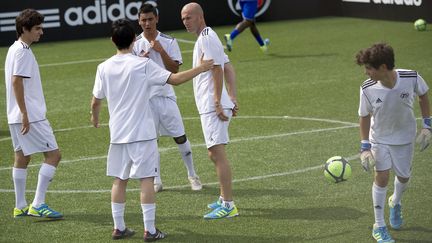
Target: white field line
x,y
202,145
253,178
196,145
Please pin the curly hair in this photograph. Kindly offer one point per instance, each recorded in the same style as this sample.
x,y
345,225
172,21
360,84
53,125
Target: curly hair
x,y
376,55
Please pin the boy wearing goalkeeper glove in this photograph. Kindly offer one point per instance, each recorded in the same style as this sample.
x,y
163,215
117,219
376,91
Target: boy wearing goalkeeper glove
x,y
388,129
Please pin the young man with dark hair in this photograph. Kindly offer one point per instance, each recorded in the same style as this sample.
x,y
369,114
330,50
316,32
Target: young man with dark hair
x,y
165,51
126,81
388,129
26,112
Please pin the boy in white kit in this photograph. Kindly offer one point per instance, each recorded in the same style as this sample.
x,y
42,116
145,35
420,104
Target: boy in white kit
x,y
30,130
126,81
214,104
388,129
164,50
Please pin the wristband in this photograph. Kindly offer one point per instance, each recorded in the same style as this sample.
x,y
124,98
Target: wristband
x,y
427,123
365,145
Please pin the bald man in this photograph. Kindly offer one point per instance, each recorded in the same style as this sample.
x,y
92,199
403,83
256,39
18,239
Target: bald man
x,y
215,105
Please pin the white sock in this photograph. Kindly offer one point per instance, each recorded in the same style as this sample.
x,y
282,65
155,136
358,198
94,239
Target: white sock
x,y
149,216
228,204
117,210
220,199
186,153
19,178
379,198
399,188
46,173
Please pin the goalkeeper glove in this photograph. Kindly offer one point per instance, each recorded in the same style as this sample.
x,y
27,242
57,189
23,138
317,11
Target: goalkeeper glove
x,y
366,157
425,135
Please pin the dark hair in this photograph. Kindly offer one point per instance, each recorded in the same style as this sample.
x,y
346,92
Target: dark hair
x,y
148,8
122,33
27,19
376,55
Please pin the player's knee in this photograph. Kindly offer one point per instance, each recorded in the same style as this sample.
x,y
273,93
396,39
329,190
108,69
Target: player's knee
x,y
212,156
403,179
249,22
53,157
181,140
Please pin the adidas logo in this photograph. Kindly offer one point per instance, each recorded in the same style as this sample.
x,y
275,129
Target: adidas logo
x,y
378,207
378,101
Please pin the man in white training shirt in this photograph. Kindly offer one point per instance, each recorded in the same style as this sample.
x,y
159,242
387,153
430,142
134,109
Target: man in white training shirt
x,y
214,104
164,50
30,130
126,81
388,129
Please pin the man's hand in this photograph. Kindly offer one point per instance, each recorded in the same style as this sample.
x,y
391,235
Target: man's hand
x,y
424,138
155,45
366,157
205,65
367,160
220,113
235,108
25,128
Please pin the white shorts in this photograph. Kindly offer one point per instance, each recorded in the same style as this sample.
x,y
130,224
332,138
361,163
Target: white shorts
x,y
133,160
167,117
398,157
39,139
214,129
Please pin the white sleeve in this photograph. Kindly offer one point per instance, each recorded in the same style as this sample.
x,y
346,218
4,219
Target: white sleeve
x,y
22,63
226,59
421,87
365,107
212,49
155,74
174,52
98,91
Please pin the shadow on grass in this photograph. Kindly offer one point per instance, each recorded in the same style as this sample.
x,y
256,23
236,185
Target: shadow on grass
x,y
45,220
240,193
99,218
418,230
189,236
326,213
282,56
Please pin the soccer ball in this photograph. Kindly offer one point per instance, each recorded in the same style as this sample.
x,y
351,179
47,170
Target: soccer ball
x,y
337,169
420,25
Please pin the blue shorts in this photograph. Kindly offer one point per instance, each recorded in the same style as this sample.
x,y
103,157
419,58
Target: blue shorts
x,y
249,9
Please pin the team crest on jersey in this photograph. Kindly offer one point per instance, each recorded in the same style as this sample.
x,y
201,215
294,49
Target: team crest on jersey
x,y
263,5
404,95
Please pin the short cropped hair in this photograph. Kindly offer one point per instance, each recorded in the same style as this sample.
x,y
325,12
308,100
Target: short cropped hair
x,y
122,33
376,55
148,8
27,19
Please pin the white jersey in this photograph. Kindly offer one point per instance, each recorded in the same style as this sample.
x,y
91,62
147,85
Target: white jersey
x,y
203,84
126,81
170,46
20,61
393,121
